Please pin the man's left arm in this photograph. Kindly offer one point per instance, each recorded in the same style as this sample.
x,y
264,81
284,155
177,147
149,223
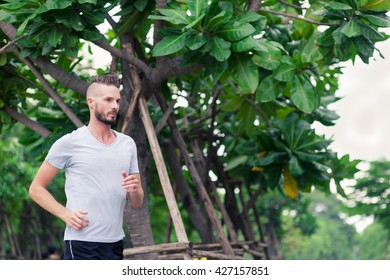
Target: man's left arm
x,y
132,185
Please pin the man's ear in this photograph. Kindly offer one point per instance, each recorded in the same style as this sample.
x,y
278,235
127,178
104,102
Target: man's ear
x,y
90,102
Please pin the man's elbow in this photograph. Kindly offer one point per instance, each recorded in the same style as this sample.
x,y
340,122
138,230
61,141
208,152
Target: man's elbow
x,y
33,191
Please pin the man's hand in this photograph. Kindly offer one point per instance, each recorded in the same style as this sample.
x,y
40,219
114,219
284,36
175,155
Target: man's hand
x,y
77,219
130,183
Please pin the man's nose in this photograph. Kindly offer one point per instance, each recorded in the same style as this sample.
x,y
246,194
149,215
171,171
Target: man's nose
x,y
115,106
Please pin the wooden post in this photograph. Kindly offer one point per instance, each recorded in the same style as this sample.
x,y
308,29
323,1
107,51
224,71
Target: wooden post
x,y
162,172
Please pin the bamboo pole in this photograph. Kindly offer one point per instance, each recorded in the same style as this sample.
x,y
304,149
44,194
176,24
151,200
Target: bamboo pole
x,y
162,172
166,247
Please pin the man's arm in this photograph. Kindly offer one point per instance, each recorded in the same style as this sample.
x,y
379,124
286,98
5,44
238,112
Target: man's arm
x,y
39,193
132,185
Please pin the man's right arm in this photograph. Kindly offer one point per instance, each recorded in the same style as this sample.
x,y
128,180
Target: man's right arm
x,y
39,193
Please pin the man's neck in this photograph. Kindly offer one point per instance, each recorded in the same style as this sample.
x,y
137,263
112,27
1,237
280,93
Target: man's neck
x,y
101,131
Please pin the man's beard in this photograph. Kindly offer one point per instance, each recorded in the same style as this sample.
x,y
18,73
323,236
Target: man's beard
x,y
100,116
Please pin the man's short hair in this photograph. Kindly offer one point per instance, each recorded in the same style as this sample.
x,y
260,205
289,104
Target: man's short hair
x,y
108,79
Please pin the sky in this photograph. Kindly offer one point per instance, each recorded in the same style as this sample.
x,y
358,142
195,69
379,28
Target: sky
x,y
363,129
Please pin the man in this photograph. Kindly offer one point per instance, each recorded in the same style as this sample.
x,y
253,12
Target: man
x,y
101,170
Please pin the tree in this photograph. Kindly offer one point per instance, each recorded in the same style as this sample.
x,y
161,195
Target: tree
x,y
254,76
370,197
331,239
373,243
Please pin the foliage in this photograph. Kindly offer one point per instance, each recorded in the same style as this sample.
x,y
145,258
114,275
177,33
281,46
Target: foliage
x,y
333,239
374,243
370,195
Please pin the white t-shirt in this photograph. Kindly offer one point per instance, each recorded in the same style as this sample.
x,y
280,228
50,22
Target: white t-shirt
x,y
93,173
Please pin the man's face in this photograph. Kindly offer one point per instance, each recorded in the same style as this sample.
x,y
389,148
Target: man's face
x,y
106,104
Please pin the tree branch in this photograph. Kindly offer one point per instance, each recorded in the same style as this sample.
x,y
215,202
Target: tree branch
x,y
172,68
8,29
110,20
254,5
71,115
296,17
69,80
11,43
159,25
118,53
23,119
290,5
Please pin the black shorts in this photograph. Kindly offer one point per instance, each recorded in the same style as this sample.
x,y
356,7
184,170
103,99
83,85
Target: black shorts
x,y
85,250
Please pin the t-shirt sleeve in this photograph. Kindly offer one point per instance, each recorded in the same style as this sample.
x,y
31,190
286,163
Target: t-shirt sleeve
x,y
134,158
60,153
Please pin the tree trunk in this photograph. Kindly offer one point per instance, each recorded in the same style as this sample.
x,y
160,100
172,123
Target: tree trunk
x,y
137,220
197,216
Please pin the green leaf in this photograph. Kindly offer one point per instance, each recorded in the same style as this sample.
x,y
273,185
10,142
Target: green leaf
x,y
377,20
295,167
377,5
304,95
247,44
285,72
3,59
326,38
197,7
13,6
272,174
93,18
337,6
364,46
196,41
250,17
57,4
268,90
140,5
352,29
244,45
175,16
7,17
236,31
245,73
91,35
54,36
215,16
47,48
294,130
247,115
234,104
87,1
236,162
311,52
216,69
370,33
22,27
190,58
220,49
170,44
192,24
130,22
270,158
267,60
